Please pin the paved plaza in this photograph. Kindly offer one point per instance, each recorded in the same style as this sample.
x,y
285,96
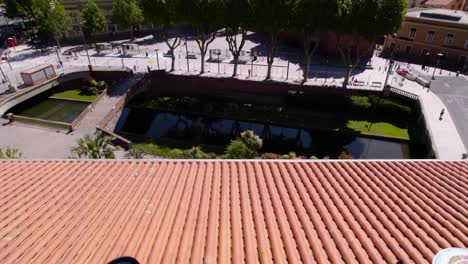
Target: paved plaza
x,y
44,143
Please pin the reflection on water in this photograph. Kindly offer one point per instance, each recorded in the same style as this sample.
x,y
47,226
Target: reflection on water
x,y
277,139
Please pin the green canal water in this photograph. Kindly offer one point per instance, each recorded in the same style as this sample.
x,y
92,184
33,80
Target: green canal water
x,y
50,109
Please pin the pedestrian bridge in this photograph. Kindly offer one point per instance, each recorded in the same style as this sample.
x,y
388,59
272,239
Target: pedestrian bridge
x,y
9,101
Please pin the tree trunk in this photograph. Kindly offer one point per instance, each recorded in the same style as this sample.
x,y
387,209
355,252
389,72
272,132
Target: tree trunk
x,y
172,60
202,58
270,64
271,53
306,72
236,62
348,75
231,38
205,37
172,47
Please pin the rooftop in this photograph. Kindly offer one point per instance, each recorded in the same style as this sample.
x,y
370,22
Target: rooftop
x,y
439,14
231,211
438,2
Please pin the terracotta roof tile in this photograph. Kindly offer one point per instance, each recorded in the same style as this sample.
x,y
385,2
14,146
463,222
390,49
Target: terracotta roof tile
x,y
231,211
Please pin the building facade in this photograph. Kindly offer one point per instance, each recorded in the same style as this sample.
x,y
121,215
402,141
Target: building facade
x,y
428,32
74,8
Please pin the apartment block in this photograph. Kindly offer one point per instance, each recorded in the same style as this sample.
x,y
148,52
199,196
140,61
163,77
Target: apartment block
x,y
428,32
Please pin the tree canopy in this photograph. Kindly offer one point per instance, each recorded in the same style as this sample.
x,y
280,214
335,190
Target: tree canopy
x,y
126,13
359,19
52,18
93,18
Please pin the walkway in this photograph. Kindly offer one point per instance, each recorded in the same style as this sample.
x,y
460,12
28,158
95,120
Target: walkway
x,y
91,120
445,138
37,142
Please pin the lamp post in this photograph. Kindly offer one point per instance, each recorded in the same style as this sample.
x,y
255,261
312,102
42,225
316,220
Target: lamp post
x,y
157,58
326,68
52,7
186,55
85,46
439,56
58,56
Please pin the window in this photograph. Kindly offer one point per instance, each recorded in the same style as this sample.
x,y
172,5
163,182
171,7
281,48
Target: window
x,y
412,33
449,39
430,36
408,50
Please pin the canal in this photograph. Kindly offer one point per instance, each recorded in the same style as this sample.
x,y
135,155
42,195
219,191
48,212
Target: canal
x,y
195,129
59,110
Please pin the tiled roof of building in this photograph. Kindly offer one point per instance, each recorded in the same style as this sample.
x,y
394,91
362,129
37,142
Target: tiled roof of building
x,y
231,211
455,17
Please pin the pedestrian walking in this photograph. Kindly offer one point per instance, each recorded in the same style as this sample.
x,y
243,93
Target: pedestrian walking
x,y
442,114
134,67
149,68
249,73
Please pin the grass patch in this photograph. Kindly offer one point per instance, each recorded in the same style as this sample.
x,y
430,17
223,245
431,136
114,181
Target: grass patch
x,y
380,129
74,94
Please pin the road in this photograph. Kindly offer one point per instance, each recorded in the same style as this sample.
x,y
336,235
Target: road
x,y
453,91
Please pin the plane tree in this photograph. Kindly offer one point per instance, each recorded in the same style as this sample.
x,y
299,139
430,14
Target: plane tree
x,y
126,14
271,18
311,18
165,15
93,19
357,22
237,17
204,17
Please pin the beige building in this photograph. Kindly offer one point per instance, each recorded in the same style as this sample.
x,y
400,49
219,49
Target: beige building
x,y
432,31
74,8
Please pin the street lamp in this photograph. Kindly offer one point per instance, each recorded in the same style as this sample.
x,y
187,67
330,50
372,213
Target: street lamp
x,y
157,58
52,7
326,68
85,45
439,56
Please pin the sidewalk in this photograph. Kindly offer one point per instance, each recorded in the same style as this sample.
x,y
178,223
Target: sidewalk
x,y
446,142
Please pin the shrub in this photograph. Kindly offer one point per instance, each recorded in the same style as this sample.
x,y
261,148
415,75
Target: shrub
x,y
102,85
95,146
360,101
252,141
10,153
176,154
238,150
269,155
197,153
93,87
135,153
345,155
